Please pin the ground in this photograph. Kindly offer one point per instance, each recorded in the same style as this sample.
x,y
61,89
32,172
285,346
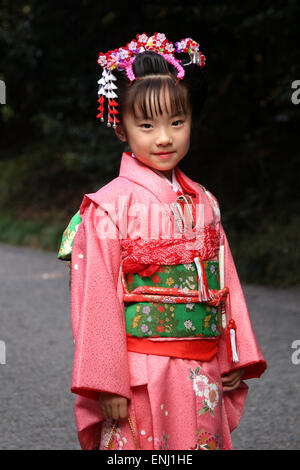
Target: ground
x,y
36,402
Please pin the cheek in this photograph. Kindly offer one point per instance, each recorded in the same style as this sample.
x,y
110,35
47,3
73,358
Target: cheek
x,y
139,143
185,138
141,139
132,137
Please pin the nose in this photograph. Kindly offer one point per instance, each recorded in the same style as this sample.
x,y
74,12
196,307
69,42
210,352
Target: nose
x,y
163,138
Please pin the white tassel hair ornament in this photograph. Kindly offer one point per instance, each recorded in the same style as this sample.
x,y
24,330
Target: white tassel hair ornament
x,y
106,90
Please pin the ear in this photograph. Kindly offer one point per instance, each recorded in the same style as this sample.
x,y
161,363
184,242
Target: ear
x,y
120,133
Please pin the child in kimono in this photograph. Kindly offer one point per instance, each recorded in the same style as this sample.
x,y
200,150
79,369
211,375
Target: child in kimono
x,y
161,328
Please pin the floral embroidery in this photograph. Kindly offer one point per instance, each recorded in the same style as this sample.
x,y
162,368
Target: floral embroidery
x,y
211,398
160,443
146,309
169,281
166,411
206,441
144,328
136,321
190,306
199,382
161,320
189,282
117,441
206,320
189,325
168,317
189,266
209,391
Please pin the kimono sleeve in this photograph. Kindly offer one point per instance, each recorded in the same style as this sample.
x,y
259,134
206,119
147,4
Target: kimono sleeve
x,y
250,355
97,312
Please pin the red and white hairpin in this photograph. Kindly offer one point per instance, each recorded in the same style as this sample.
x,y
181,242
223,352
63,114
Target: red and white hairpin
x,y
123,58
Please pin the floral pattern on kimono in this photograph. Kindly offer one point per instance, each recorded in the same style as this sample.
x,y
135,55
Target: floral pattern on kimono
x,y
206,441
178,419
209,391
161,443
117,441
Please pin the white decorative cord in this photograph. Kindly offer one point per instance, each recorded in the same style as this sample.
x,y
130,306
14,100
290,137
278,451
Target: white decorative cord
x,y
204,293
235,357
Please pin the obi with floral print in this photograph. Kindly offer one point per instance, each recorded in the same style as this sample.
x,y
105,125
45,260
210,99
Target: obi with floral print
x,y
65,249
168,317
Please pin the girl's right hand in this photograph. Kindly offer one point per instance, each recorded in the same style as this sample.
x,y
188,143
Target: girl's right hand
x,y
113,406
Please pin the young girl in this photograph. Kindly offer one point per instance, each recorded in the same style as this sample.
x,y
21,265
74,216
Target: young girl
x,y
160,323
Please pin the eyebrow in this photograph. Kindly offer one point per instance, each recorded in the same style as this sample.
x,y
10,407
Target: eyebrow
x,y
182,113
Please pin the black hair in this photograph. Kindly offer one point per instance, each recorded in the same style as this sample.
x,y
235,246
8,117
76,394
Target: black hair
x,y
153,73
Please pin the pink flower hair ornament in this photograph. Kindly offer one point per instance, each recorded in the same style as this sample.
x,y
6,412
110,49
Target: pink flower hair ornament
x,y
124,57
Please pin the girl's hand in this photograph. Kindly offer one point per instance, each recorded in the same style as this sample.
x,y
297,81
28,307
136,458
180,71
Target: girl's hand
x,y
113,406
232,380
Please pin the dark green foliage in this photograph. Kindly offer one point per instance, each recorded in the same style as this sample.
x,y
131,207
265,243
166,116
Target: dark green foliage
x,y
244,150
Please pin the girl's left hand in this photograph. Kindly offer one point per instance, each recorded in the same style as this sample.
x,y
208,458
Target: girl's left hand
x,y
232,380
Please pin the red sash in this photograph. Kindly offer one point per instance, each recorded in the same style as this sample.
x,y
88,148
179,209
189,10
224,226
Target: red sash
x,y
202,349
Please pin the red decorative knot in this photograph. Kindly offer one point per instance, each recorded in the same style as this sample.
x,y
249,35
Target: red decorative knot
x,y
231,324
170,251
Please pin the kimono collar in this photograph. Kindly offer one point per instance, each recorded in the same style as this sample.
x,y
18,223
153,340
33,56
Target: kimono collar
x,y
174,184
134,170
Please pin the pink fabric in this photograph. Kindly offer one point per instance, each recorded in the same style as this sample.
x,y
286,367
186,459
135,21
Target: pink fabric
x,y
101,360
248,348
187,412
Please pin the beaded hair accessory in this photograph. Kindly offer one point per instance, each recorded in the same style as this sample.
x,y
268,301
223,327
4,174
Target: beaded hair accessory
x,y
124,57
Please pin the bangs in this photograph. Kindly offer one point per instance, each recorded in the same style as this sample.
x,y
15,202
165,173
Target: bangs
x,y
154,95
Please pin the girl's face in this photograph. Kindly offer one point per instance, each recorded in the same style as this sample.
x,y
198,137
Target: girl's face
x,y
160,141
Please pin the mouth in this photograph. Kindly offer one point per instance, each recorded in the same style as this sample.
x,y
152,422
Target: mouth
x,y
164,154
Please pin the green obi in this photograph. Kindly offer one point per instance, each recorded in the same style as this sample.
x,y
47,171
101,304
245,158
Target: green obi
x,y
68,236
147,319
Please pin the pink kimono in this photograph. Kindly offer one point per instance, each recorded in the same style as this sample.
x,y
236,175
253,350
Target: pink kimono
x,y
174,402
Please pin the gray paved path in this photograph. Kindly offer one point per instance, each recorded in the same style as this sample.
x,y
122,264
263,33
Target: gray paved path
x,y
36,405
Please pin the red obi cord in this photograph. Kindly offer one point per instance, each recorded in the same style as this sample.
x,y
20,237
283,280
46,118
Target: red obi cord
x,y
202,349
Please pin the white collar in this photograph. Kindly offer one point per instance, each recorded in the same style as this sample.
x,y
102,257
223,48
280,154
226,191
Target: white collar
x,y
174,184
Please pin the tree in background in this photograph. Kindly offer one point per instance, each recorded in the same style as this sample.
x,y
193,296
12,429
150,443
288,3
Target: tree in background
x,y
53,148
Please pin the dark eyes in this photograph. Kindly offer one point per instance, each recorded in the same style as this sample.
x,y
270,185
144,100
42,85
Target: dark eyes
x,y
176,123
145,126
